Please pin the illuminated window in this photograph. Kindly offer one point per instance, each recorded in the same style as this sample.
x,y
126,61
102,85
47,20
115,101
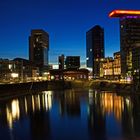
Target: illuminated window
x,y
10,66
37,39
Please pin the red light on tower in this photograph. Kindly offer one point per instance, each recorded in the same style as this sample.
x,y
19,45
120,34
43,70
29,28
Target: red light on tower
x,y
121,13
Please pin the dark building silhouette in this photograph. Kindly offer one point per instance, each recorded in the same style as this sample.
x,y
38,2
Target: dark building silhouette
x,y
95,48
129,40
16,70
61,61
72,62
71,72
39,47
25,68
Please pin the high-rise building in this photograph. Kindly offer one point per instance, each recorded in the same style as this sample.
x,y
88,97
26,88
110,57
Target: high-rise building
x,y
129,39
38,48
95,48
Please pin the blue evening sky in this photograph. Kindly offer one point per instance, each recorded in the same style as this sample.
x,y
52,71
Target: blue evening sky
x,y
66,21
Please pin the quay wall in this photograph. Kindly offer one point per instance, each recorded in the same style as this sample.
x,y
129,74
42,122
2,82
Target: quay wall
x,y
32,87
105,85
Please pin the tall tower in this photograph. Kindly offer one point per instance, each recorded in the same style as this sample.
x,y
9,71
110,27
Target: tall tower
x,y
129,39
39,47
95,48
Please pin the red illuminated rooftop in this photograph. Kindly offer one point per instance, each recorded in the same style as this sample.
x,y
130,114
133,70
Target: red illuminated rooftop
x,y
121,13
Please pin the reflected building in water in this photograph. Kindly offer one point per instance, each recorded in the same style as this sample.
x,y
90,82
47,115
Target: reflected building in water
x,y
131,116
136,114
36,106
69,103
124,109
39,120
96,117
104,114
127,117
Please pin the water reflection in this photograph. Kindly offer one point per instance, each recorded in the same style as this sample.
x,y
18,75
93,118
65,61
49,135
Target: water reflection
x,y
107,103
69,104
111,115
96,116
39,119
65,114
13,112
23,106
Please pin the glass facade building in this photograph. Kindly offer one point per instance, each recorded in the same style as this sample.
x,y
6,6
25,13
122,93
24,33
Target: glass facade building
x,y
95,48
129,40
39,47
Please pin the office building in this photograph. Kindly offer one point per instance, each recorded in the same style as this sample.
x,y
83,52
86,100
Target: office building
x,y
129,39
95,48
110,68
107,66
9,70
69,74
72,62
26,70
61,61
117,65
38,48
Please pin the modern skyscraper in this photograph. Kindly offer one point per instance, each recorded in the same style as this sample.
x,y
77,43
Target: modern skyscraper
x,y
38,47
95,48
129,39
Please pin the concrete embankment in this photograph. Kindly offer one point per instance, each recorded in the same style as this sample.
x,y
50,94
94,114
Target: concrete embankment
x,y
104,85
58,85
31,87
113,86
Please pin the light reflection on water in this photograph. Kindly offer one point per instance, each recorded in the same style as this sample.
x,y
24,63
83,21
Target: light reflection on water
x,y
65,114
27,105
12,112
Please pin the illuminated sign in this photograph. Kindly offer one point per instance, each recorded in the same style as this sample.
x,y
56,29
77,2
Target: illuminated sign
x,y
121,13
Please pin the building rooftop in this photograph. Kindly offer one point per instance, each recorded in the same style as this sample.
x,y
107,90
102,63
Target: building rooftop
x,y
121,13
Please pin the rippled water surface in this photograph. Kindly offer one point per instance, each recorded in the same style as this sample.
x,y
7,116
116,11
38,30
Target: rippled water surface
x,y
70,115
